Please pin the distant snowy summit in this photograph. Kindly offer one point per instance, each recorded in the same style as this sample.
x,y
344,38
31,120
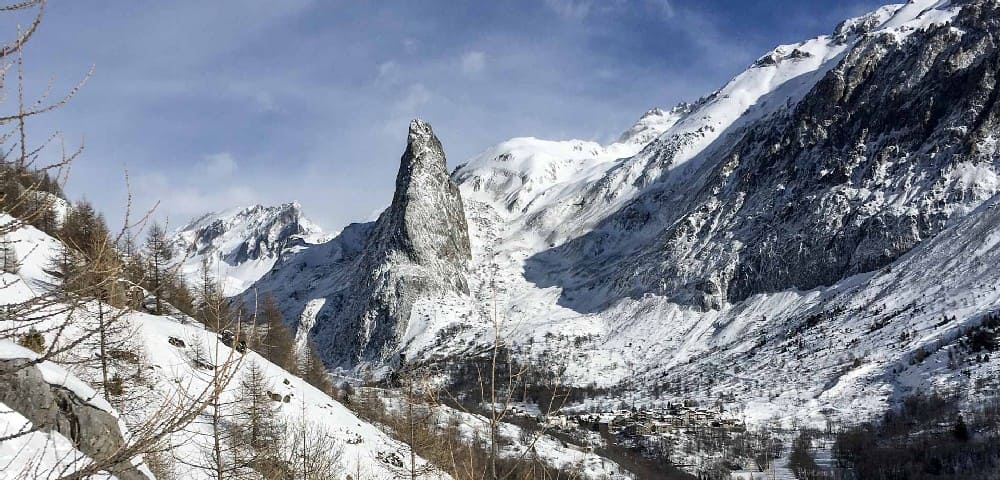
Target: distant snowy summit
x,y
652,124
240,245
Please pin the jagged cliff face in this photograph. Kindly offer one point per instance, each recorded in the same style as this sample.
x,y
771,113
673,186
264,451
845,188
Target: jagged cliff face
x,y
879,154
355,294
425,223
241,245
418,246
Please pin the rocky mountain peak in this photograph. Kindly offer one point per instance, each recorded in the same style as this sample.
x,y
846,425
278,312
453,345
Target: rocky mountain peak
x,y
426,220
257,224
422,135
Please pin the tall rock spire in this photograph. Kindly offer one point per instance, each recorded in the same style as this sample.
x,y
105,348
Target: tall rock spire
x,y
425,221
363,284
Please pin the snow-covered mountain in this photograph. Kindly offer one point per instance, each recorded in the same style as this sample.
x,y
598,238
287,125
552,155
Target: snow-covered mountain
x,y
241,245
786,241
858,163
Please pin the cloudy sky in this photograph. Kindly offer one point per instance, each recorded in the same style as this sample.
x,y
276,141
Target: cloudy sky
x,y
214,104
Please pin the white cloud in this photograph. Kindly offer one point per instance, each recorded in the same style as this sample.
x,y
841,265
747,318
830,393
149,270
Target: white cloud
x,y
412,105
570,9
218,164
387,69
265,102
581,9
473,63
178,203
257,94
410,45
416,96
665,6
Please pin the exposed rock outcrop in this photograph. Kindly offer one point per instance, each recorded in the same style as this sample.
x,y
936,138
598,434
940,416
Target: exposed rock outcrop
x,y
53,408
426,220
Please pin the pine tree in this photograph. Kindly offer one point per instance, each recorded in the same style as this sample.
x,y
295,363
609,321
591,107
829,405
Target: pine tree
x,y
212,308
256,413
415,421
180,297
47,221
313,371
311,452
961,430
11,192
133,271
68,267
801,460
158,256
83,228
223,458
88,264
277,343
92,274
226,456
8,256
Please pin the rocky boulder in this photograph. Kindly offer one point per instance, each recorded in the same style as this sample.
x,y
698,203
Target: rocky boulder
x,y
53,408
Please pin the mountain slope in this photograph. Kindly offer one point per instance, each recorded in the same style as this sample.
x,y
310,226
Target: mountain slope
x,y
670,285
856,173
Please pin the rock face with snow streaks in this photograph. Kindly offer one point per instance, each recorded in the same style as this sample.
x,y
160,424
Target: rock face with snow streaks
x,y
877,156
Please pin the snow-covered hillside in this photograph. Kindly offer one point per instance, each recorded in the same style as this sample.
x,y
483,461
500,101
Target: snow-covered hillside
x,y
584,272
177,359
